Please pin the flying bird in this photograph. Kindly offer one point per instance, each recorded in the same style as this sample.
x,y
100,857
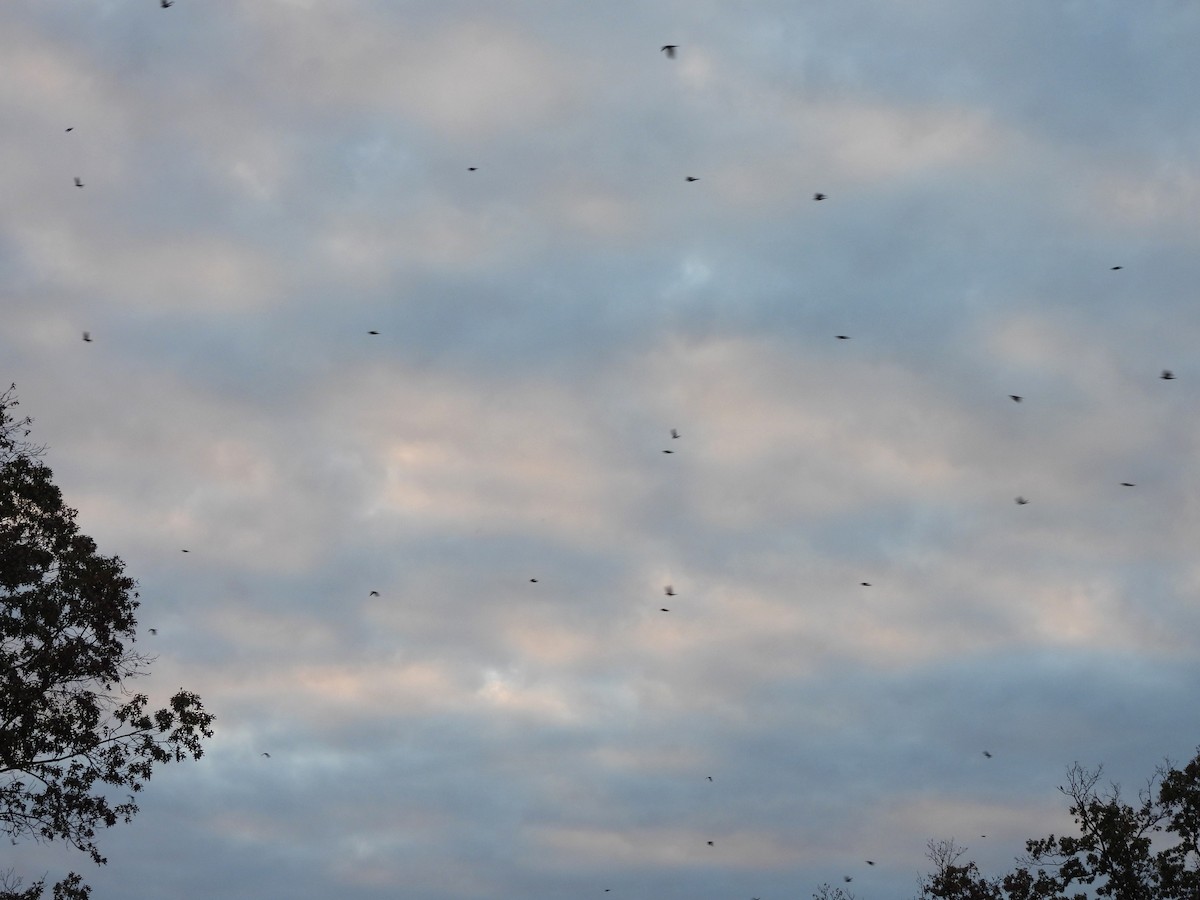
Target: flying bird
x,y
185,551
710,778
373,594
670,590
1128,484
472,168
669,49
78,183
818,196
674,433
842,337
691,178
865,583
1167,375
870,862
663,609
533,581
1115,268
267,755
1015,398
668,451
372,332
154,631
847,879
987,754
710,843
1021,501
87,337
72,128
166,4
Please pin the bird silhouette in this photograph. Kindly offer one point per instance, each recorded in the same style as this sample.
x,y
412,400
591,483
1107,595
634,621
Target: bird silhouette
x,y
78,183
674,433
166,4
663,609
819,196
987,754
865,583
87,337
842,337
870,862
185,551
72,128
154,631
668,451
710,843
691,178
1015,398
1116,268
669,49
710,778
670,591
267,755
1128,484
847,879
533,581
372,332
1167,375
472,168
373,594
1021,501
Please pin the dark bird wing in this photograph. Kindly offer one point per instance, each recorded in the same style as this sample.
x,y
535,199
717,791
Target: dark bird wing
x,y
78,183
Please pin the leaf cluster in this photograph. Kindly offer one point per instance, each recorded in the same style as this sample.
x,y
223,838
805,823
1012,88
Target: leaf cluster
x,y
72,733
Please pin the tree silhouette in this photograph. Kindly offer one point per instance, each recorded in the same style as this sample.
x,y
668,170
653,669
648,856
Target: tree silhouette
x,y
1149,850
70,729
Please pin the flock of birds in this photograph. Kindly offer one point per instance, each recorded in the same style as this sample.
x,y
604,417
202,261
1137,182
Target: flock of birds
x,y
671,51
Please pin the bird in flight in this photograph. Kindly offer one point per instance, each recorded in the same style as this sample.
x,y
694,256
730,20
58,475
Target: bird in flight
x,y
847,879
472,168
166,4
267,755
372,332
533,581
865,583
87,337
1167,375
674,433
1021,501
669,49
1116,268
987,754
870,862
670,590
373,594
1015,398
1128,484
710,778
185,551
842,337
154,631
691,178
72,128
78,183
663,609
818,196
710,843
668,451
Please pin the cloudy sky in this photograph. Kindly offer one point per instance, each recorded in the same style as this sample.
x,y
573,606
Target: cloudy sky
x,y
499,189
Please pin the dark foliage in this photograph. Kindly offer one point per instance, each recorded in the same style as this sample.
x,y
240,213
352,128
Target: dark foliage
x,y
71,731
1148,850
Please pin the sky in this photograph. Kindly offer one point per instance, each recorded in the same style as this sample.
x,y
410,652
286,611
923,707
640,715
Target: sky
x,y
502,191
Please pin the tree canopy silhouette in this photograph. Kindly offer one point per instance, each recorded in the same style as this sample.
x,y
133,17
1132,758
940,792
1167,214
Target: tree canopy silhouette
x,y
1146,850
71,730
